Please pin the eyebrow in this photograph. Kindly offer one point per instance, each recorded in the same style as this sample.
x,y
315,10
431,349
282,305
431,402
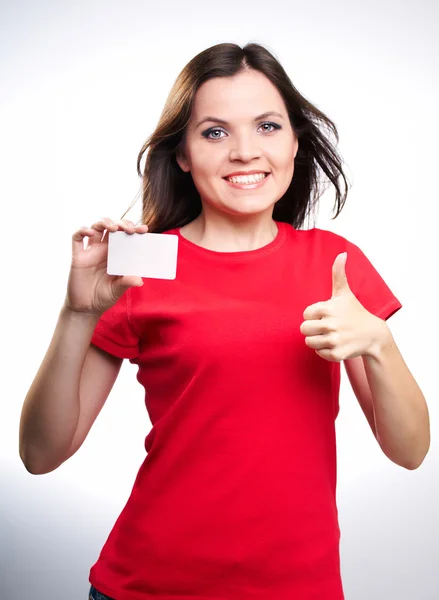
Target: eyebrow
x,y
258,118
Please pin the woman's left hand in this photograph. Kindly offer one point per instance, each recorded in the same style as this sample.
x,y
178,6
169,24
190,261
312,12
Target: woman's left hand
x,y
341,327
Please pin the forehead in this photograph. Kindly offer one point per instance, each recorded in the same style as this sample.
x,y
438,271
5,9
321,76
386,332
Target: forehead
x,y
247,93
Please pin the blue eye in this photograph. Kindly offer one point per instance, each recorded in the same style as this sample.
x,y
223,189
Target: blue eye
x,y
274,125
208,132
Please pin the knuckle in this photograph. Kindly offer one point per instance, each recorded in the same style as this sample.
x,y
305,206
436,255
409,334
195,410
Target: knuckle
x,y
334,339
330,327
126,226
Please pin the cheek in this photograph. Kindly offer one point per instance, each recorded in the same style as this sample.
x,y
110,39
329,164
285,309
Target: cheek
x,y
281,153
204,173
287,162
205,161
286,154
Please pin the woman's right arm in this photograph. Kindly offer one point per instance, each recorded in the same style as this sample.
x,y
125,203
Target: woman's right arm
x,y
67,394
75,378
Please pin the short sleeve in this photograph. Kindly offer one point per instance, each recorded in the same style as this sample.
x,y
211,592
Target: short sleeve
x,y
114,332
368,286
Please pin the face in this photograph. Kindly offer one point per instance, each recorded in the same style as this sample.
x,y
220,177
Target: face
x,y
239,125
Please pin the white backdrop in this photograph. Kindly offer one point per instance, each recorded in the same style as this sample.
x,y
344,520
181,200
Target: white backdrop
x,y
82,86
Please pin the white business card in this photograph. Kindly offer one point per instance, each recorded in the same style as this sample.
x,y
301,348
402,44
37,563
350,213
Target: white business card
x,y
152,255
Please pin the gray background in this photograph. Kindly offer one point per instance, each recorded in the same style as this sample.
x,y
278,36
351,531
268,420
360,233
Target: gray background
x,y
82,86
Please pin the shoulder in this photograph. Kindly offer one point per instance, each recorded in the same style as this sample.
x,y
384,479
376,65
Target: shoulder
x,y
320,238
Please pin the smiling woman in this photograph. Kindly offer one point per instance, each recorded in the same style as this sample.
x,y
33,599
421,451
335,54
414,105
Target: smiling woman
x,y
259,122
266,149
239,355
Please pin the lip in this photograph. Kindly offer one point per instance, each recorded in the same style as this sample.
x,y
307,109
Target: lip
x,y
248,186
237,173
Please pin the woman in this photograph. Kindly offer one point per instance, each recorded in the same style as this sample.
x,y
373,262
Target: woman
x,y
239,355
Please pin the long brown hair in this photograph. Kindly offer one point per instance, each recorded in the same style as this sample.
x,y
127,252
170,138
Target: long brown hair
x,y
169,196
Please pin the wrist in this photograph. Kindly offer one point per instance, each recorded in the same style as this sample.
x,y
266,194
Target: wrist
x,y
381,338
79,316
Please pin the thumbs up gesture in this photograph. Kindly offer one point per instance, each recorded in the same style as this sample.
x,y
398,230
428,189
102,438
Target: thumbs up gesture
x,y
340,328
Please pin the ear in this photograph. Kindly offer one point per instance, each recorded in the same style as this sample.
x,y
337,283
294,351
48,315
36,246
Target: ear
x,y
295,146
182,160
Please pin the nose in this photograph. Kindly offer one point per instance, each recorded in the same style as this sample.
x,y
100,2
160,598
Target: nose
x,y
244,148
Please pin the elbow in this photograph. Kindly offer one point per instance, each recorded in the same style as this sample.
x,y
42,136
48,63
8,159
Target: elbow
x,y
416,461
36,466
34,469
411,454
31,465
415,464
411,463
424,447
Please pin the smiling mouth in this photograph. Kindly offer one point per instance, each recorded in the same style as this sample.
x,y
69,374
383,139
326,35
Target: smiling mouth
x,y
247,184
247,179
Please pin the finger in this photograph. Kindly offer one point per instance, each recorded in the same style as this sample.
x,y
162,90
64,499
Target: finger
x,y
316,311
107,225
122,283
339,278
328,355
316,327
318,342
141,228
103,226
125,225
79,236
82,232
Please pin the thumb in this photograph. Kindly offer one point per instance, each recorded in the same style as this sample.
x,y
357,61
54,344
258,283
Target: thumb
x,y
123,283
339,278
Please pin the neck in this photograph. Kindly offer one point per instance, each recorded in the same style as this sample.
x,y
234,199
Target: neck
x,y
230,233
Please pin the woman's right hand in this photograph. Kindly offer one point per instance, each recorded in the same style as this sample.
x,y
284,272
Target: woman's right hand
x,y
90,289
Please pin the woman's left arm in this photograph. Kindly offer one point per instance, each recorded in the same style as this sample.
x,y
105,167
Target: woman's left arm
x,y
341,329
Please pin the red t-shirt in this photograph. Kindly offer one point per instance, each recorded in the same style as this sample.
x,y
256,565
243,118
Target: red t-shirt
x,y
236,497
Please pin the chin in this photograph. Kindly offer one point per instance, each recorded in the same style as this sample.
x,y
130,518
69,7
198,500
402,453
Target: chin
x,y
247,207
256,211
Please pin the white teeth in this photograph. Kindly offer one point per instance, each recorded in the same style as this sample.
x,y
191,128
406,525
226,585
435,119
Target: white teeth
x,y
243,179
